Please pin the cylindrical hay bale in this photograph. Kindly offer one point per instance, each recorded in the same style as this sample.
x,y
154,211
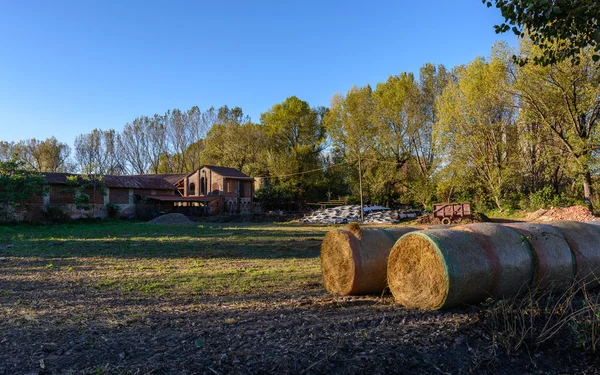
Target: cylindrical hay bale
x,y
553,262
441,268
355,261
584,240
510,255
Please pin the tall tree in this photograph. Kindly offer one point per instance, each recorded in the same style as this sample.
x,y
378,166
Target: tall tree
x,y
350,127
48,155
296,137
98,153
236,142
477,124
560,28
565,98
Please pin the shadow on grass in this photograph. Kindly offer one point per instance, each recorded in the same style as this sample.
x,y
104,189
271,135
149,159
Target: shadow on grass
x,y
135,240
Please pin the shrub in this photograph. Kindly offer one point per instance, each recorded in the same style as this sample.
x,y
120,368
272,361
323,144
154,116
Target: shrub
x,y
54,214
112,209
543,198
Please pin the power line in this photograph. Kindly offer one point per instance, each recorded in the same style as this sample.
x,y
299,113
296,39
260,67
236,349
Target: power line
x,y
305,172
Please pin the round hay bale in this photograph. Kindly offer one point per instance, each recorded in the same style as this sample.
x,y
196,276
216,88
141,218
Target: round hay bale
x,y
584,241
441,268
438,268
554,265
510,256
355,261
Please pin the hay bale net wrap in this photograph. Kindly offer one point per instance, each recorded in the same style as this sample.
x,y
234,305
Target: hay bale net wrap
x,y
584,241
441,268
509,254
437,268
554,265
356,262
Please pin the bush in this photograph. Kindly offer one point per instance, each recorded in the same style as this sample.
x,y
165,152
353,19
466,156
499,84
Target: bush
x,y
55,214
112,210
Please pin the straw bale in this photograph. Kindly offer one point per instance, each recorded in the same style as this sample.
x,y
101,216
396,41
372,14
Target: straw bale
x,y
553,261
584,241
438,268
357,264
510,256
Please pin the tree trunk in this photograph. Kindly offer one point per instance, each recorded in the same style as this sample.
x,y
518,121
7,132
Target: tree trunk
x,y
587,189
497,199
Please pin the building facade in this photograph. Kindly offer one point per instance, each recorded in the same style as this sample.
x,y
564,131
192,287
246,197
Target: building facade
x,y
207,191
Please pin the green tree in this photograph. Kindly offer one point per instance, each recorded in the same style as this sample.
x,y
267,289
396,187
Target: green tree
x,y
295,136
349,125
477,126
17,185
565,99
235,142
560,28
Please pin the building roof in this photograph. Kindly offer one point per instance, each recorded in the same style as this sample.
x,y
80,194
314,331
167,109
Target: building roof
x,y
165,181
227,172
179,198
111,181
172,178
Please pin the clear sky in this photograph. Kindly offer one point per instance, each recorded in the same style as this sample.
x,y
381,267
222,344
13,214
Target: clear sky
x,y
67,67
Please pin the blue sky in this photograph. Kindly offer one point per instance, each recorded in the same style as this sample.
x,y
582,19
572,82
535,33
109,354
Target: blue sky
x,y
67,67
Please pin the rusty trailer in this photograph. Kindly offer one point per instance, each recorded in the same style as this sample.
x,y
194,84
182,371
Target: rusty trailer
x,y
447,212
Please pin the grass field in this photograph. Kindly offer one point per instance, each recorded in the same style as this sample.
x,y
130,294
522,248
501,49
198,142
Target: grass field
x,y
178,260
132,298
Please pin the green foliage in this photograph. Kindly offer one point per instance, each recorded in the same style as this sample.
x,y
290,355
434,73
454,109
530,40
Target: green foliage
x,y
18,185
477,128
79,187
295,137
112,209
54,214
276,196
560,28
543,198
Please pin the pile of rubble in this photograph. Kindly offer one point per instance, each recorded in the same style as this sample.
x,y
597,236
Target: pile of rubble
x,y
172,219
349,214
574,213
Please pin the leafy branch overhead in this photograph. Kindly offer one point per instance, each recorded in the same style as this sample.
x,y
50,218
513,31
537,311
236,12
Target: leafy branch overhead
x,y
561,28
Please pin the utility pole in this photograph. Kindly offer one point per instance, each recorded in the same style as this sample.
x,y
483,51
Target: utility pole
x,y
362,212
204,188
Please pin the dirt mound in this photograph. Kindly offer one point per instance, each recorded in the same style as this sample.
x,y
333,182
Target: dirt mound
x,y
171,219
573,213
429,219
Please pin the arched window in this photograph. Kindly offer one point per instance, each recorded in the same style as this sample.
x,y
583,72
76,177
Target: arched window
x,y
192,190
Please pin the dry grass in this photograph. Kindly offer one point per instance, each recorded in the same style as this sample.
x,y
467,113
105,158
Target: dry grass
x,y
542,317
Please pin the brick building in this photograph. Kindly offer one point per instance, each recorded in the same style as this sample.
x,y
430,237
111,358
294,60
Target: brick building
x,y
219,189
208,190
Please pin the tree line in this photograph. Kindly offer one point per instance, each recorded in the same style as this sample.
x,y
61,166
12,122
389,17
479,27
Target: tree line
x,y
502,134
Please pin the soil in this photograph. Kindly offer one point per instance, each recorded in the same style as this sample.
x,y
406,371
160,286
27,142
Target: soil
x,y
85,331
58,319
172,219
573,213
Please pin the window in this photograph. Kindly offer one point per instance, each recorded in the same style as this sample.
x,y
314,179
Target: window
x,y
192,190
